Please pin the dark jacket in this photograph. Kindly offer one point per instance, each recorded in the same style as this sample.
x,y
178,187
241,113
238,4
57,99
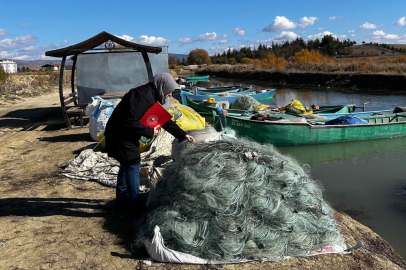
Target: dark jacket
x,y
123,130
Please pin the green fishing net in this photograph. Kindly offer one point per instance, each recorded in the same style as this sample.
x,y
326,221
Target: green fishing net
x,y
245,102
234,200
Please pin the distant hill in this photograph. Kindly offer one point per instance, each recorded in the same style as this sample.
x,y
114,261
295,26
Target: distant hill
x,y
179,56
372,50
70,62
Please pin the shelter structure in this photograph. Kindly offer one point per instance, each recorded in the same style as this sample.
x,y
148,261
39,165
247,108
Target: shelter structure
x,y
105,64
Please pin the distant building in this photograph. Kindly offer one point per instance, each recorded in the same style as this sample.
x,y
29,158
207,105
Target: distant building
x,y
8,66
51,66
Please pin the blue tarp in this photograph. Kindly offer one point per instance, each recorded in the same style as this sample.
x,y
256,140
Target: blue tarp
x,y
347,120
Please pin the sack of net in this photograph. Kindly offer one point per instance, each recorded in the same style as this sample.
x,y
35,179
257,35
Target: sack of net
x,y
236,200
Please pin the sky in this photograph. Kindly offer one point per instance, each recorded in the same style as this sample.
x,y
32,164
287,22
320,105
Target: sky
x,y
29,28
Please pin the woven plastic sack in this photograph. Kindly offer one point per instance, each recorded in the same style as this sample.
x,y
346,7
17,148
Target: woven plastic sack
x,y
187,120
98,119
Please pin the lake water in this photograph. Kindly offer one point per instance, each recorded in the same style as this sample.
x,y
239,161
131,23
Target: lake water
x,y
363,178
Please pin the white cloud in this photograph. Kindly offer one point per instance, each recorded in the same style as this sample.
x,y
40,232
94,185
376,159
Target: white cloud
x,y
353,35
280,23
65,41
223,41
320,28
126,37
225,36
283,36
153,41
401,21
17,42
307,21
185,40
351,31
208,36
367,25
221,49
28,49
239,31
23,24
325,33
286,35
147,40
3,32
391,36
332,18
379,35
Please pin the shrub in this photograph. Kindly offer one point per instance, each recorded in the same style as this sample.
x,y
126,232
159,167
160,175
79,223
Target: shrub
x,y
3,76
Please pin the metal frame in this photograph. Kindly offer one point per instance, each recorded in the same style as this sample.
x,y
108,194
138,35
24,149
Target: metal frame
x,y
89,45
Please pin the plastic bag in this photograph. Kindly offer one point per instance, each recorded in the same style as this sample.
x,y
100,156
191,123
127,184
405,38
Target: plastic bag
x,y
187,120
296,107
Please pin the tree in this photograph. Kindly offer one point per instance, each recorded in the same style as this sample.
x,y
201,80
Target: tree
x,y
198,57
3,75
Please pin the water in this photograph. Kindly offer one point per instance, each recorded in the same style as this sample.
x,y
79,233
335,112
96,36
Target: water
x,y
360,178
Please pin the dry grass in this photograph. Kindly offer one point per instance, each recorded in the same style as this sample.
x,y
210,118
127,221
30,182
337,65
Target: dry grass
x,y
306,64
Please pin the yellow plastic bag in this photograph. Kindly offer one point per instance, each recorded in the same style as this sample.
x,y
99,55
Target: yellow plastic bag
x,y
260,107
144,147
188,120
296,104
102,139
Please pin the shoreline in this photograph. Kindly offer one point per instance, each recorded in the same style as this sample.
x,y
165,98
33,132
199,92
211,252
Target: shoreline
x,y
378,83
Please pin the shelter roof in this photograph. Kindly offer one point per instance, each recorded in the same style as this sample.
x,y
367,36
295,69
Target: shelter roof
x,y
97,40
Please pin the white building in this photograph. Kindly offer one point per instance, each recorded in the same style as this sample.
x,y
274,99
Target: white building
x,y
8,66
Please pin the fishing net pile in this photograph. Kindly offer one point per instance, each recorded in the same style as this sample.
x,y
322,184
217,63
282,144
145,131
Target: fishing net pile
x,y
245,102
239,200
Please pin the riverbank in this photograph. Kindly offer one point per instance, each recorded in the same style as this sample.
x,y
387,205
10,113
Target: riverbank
x,y
51,222
380,83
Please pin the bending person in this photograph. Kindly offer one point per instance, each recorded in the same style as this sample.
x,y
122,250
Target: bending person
x,y
123,132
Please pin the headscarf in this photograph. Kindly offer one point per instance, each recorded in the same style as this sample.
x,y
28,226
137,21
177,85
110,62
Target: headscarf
x,y
165,84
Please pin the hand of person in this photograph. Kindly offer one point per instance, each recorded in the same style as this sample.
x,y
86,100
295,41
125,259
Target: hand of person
x,y
156,130
190,138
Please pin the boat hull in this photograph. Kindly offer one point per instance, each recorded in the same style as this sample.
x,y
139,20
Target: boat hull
x,y
280,134
266,95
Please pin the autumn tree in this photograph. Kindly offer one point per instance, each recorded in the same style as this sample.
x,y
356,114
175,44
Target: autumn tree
x,y
198,57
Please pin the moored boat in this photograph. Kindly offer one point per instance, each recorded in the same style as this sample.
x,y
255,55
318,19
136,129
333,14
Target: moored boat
x,y
315,131
238,91
264,95
197,78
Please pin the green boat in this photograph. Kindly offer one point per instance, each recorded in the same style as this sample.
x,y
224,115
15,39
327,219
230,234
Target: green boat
x,y
314,131
205,108
198,78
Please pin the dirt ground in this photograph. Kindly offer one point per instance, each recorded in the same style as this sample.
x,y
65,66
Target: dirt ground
x,y
52,222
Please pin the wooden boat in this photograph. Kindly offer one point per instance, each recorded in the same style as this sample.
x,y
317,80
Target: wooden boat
x,y
205,108
315,132
197,78
209,89
238,91
265,95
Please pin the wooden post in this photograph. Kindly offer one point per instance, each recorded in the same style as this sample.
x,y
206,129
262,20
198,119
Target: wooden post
x,y
148,66
61,90
72,79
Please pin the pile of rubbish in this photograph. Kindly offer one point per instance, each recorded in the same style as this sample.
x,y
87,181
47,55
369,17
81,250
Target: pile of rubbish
x,y
236,200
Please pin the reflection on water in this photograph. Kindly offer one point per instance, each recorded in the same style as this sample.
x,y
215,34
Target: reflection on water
x,y
362,176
